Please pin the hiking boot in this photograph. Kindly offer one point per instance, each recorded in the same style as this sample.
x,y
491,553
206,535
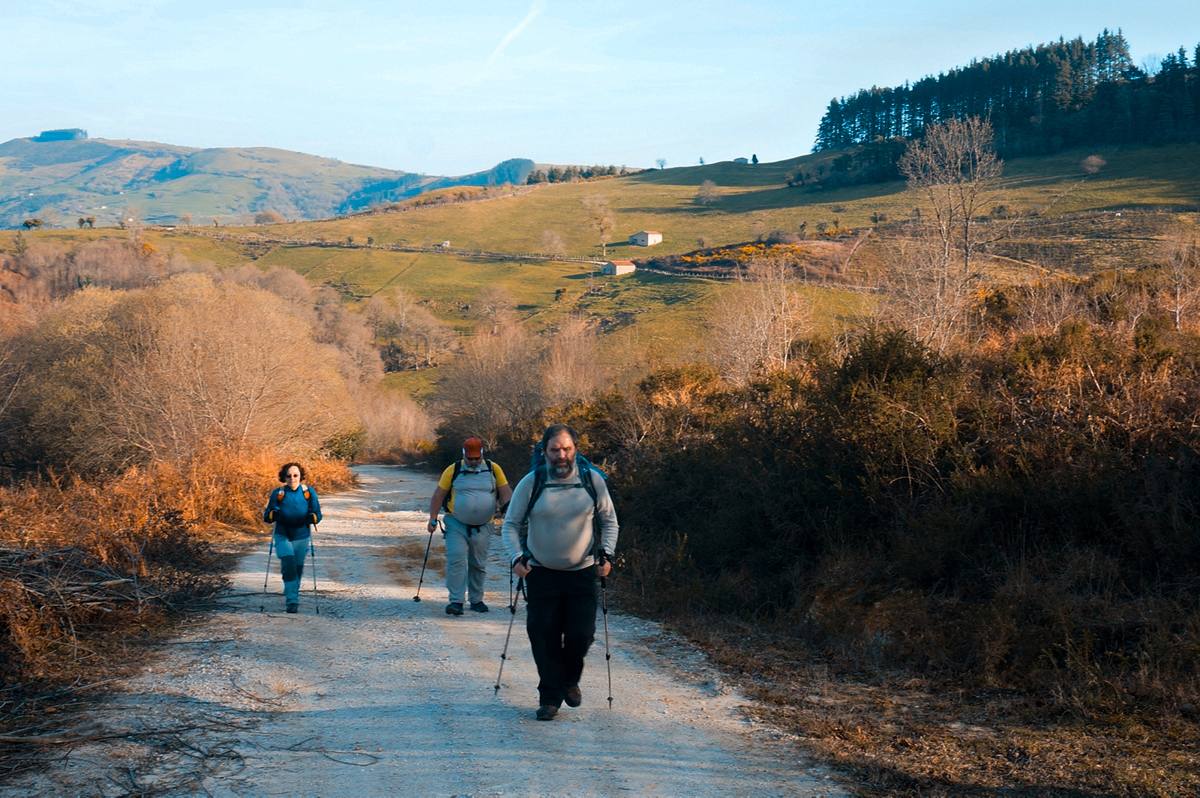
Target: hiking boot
x,y
478,606
573,696
546,712
292,609
454,608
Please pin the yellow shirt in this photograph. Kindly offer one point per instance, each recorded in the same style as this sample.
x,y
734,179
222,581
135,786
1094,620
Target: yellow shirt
x,y
473,491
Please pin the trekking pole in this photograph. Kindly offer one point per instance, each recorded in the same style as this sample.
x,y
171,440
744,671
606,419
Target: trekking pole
x,y
417,598
607,654
267,573
512,608
312,548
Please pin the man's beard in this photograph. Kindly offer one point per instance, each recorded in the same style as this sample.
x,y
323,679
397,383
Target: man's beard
x,y
560,471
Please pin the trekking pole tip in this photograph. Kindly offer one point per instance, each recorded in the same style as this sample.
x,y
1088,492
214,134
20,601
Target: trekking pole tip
x,y
417,599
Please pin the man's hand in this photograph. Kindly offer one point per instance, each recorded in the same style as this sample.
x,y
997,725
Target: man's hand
x,y
432,525
604,568
522,568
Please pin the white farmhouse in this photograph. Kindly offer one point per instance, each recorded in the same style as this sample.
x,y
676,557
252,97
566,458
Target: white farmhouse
x,y
615,268
645,238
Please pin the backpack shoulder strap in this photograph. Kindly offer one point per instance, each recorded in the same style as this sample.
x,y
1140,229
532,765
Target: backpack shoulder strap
x,y
585,476
539,485
454,476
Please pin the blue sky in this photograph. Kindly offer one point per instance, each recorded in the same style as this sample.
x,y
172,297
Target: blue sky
x,y
457,86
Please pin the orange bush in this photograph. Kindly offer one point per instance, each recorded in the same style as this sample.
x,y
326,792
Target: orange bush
x,y
84,563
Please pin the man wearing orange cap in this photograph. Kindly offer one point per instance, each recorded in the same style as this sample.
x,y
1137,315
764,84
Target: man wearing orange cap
x,y
469,491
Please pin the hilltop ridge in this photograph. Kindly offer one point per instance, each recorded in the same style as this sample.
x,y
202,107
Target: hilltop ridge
x,y
59,179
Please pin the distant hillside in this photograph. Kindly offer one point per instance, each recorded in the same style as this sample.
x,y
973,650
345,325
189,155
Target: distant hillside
x,y
62,179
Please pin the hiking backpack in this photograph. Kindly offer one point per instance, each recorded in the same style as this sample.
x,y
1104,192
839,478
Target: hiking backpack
x,y
584,468
458,467
281,492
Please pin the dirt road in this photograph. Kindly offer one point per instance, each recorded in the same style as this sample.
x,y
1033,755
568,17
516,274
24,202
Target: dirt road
x,y
379,695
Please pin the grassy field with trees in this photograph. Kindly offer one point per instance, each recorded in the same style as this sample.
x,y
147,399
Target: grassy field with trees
x,y
957,460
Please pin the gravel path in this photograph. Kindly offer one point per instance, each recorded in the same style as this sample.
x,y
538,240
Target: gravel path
x,y
379,695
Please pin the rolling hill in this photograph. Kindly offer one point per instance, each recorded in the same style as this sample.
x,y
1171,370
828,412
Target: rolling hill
x,y
59,180
1076,222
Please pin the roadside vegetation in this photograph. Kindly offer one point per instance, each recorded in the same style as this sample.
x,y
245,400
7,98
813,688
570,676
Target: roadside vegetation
x,y
907,444
146,406
983,490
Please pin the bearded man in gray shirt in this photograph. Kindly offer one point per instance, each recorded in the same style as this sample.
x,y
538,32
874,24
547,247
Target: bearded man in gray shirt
x,y
552,544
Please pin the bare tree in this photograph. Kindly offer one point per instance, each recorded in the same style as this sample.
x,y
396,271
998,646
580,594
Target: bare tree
x,y
347,331
706,194
495,307
1047,304
130,221
754,331
926,295
662,162
570,370
410,336
601,219
955,171
395,425
1183,271
269,216
493,386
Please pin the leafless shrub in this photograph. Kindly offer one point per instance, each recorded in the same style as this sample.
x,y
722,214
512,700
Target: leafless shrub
x,y
164,372
494,385
755,329
495,307
396,426
927,294
1046,305
269,216
1092,164
410,335
1182,256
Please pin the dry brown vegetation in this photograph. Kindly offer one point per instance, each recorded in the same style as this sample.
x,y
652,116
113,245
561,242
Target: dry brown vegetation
x,y
955,551
92,570
145,406
502,385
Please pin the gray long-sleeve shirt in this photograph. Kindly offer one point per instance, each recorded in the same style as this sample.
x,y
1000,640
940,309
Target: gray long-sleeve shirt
x,y
559,532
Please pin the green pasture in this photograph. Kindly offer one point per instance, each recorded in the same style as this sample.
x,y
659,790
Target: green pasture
x,y
753,200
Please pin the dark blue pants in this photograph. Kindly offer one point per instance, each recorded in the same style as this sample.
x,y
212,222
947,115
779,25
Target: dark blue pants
x,y
291,555
561,622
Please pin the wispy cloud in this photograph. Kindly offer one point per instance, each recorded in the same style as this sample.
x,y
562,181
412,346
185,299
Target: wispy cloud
x,y
535,11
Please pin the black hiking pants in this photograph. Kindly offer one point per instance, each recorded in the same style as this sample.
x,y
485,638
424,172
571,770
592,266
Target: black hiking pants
x,y
561,622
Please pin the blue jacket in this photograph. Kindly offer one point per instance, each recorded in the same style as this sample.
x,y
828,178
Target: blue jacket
x,y
292,511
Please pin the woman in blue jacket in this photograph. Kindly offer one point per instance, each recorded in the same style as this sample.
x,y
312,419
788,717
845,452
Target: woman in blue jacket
x,y
292,509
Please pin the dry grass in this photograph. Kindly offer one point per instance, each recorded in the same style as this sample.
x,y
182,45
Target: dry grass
x,y
909,736
91,571
404,559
